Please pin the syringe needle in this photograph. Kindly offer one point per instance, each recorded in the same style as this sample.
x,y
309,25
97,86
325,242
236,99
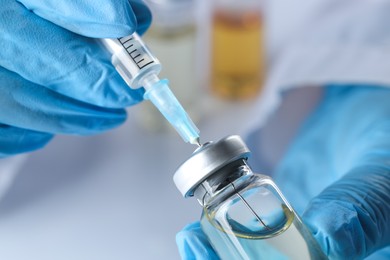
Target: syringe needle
x,y
162,97
197,142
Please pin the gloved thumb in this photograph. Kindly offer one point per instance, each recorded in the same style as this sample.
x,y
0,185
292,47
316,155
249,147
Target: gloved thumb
x,y
351,218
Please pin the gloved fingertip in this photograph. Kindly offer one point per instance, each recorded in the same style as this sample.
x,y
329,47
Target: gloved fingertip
x,y
105,27
135,16
184,245
193,244
192,226
340,237
142,28
143,16
134,96
38,141
117,94
113,27
15,140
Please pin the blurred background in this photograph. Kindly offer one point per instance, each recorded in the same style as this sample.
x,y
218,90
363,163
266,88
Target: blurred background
x,y
112,196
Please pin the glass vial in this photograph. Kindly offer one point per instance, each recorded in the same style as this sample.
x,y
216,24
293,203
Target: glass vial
x,y
245,216
172,37
237,48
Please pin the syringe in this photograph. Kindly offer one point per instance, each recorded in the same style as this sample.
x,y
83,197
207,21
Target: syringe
x,y
140,68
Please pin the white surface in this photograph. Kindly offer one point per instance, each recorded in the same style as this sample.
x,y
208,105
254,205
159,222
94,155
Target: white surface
x,y
109,196
9,167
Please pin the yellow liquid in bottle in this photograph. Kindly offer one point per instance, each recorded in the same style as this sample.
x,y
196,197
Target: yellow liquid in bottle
x,y
238,60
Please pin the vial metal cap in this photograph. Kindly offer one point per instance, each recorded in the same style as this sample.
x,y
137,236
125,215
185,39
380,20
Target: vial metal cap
x,y
208,159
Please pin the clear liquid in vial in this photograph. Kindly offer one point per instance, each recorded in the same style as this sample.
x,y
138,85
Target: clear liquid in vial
x,y
287,242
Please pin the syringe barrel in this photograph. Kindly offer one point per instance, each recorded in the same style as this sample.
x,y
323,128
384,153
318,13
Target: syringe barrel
x,y
139,68
132,59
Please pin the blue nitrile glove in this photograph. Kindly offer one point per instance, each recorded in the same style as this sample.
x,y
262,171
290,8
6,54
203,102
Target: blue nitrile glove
x,y
193,244
53,77
336,174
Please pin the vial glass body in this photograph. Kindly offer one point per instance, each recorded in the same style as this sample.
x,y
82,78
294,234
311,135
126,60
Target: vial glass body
x,y
245,216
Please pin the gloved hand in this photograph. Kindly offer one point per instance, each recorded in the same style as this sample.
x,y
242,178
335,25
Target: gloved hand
x,y
337,174
53,77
